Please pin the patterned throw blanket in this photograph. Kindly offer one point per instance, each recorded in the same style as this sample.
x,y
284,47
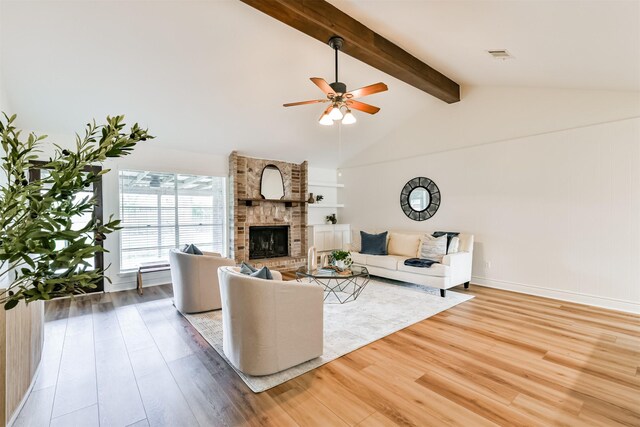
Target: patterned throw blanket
x,y
419,262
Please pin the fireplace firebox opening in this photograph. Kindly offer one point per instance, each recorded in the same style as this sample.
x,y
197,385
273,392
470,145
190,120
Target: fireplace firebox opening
x,y
268,241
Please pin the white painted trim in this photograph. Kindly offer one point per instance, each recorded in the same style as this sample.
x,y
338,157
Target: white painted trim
x,y
15,414
563,295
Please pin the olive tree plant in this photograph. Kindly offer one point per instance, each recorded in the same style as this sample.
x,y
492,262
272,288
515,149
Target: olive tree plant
x,y
36,214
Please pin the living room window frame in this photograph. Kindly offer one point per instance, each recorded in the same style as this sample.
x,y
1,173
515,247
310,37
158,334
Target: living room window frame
x,y
224,224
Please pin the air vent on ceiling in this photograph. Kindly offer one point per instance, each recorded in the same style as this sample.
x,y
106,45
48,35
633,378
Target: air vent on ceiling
x,y
500,54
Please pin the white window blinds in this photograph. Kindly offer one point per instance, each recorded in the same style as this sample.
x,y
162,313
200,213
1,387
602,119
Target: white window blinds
x,y
160,211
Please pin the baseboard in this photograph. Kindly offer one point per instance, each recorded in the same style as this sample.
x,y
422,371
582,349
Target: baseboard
x,y
15,414
597,301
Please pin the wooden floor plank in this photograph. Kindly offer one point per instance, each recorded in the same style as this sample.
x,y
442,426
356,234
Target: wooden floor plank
x,y
76,387
347,405
207,400
304,408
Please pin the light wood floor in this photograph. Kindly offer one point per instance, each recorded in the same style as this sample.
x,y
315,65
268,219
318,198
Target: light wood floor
x,y
500,359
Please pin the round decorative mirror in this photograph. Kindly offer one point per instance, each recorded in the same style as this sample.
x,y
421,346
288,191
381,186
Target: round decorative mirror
x,y
420,198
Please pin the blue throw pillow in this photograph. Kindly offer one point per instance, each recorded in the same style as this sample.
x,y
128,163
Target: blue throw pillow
x,y
191,249
263,273
373,244
247,268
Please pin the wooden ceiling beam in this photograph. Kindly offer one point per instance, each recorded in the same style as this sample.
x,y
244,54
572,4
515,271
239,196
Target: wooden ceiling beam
x,y
321,20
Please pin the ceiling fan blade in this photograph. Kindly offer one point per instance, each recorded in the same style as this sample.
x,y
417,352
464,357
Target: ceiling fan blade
x,y
323,85
315,101
361,106
367,90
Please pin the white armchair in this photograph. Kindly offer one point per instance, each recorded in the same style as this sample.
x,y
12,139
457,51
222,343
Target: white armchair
x,y
269,325
195,280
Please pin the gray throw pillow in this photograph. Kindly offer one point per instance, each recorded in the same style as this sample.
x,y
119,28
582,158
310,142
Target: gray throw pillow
x,y
373,244
247,268
450,236
263,273
191,249
433,248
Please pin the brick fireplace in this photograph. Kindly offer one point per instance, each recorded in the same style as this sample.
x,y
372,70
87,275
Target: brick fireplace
x,y
266,221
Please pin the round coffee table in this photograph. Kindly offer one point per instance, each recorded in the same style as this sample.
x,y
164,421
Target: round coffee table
x,y
339,287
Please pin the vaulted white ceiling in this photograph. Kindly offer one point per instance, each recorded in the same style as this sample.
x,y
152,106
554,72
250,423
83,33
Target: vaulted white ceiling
x,y
569,44
212,76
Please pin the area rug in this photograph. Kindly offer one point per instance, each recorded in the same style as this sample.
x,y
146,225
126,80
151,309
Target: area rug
x,y
383,307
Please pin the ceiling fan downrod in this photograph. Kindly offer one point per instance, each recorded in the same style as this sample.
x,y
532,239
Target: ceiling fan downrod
x,y
336,44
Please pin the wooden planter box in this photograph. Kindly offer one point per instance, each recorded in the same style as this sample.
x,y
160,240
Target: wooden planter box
x,y
21,341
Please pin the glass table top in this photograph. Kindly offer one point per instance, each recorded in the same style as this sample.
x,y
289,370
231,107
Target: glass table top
x,y
352,271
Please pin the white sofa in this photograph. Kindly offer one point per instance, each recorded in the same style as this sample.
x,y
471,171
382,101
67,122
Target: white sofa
x,y
454,270
269,325
195,280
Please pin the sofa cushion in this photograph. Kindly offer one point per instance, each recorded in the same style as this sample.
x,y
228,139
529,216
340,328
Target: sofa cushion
x,y
436,270
373,244
355,244
382,261
404,244
454,245
433,248
358,258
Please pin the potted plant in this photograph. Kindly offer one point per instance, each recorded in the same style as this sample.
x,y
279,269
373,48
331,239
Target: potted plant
x,y
37,214
341,259
331,219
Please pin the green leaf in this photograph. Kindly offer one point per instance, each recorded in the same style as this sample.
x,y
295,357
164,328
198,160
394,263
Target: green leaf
x,y
11,304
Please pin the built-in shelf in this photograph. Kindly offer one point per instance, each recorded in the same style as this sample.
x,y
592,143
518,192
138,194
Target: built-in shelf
x,y
325,184
326,205
287,202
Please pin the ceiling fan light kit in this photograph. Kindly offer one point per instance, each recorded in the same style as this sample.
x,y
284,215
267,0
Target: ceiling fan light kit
x,y
335,114
349,118
341,101
325,120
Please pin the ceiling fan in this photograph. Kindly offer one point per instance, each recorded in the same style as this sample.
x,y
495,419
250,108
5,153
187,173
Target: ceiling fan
x,y
339,98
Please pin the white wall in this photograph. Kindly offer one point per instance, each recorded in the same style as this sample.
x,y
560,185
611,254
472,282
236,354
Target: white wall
x,y
491,114
555,214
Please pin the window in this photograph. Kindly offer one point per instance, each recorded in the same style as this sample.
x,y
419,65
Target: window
x,y
160,211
